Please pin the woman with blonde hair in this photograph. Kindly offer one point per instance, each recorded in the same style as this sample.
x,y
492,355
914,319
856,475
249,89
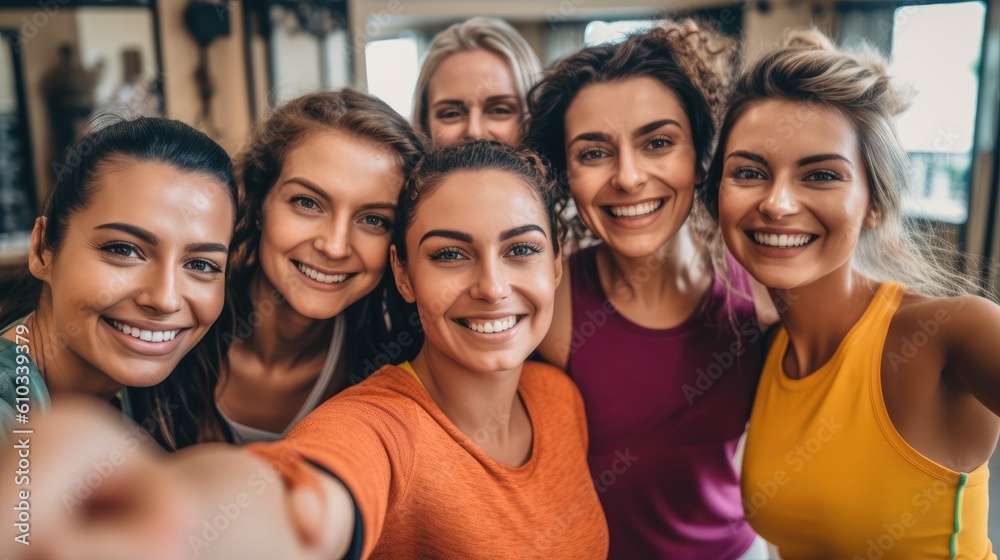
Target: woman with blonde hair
x,y
876,412
474,82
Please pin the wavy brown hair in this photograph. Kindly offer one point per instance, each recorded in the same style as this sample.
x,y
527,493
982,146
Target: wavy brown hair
x,y
258,167
689,58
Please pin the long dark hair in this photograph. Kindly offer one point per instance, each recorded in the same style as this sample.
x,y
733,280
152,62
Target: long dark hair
x,y
258,167
180,410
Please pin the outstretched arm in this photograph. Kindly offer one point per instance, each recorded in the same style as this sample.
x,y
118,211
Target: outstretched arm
x,y
95,491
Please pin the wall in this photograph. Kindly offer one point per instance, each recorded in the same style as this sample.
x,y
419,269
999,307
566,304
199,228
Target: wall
x,y
230,105
42,34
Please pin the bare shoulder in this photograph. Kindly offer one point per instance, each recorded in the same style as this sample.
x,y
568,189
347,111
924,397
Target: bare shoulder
x,y
955,317
555,347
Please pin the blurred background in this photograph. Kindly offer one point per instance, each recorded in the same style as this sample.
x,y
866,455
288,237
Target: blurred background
x,y
220,65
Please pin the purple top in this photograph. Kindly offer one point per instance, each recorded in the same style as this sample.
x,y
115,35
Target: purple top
x,y
665,410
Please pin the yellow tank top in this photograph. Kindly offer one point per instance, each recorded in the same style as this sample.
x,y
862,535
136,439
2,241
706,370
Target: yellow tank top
x,y
826,475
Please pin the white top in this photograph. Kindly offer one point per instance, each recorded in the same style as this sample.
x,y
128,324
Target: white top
x,y
243,434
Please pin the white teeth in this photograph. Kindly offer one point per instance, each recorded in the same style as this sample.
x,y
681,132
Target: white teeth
x,y
149,336
491,326
320,277
636,209
783,240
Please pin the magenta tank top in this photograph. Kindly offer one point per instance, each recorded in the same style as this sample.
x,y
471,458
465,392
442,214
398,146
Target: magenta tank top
x,y
665,410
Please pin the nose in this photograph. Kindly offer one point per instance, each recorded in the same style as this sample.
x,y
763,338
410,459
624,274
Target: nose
x,y
491,284
779,201
629,175
334,240
159,291
475,127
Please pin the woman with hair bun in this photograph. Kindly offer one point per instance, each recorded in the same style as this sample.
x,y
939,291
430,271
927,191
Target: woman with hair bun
x,y
468,451
474,83
658,333
877,409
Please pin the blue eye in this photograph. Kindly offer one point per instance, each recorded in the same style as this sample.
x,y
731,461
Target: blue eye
x,y
446,254
524,250
204,266
376,221
305,202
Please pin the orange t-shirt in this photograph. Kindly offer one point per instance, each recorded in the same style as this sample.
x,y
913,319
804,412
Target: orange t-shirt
x,y
426,490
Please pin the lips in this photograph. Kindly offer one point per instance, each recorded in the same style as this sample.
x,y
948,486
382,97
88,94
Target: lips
x,y
638,210
491,326
148,335
324,278
781,240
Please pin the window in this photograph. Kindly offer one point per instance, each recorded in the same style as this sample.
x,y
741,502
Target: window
x,y
392,66
598,32
936,49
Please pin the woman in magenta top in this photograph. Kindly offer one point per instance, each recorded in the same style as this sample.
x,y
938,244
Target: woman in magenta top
x,y
657,329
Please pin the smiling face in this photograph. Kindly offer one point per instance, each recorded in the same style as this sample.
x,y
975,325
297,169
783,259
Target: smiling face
x,y
792,208
482,269
631,163
472,95
140,276
325,224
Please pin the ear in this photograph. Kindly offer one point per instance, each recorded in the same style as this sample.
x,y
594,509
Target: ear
x,y
559,269
402,279
871,218
40,255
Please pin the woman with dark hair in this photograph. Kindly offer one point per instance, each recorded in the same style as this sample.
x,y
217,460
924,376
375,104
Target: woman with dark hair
x,y
467,451
127,273
660,339
307,285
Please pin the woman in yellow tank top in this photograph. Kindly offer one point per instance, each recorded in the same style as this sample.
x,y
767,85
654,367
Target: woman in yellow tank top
x,y
877,409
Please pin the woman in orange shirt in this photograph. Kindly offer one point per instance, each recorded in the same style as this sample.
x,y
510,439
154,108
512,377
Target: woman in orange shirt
x,y
468,450
877,408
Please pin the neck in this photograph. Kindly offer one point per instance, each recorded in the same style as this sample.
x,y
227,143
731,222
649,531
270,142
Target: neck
x,y
481,405
284,336
839,298
670,272
63,370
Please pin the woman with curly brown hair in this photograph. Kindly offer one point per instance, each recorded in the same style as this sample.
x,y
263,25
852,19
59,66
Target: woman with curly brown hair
x,y
319,180
662,346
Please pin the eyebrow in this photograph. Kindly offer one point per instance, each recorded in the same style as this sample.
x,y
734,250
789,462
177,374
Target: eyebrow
x,y
511,233
307,184
641,131
804,161
488,99
466,238
313,187
137,231
824,157
153,240
748,155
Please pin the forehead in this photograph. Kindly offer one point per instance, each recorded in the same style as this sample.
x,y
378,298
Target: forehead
x,y
621,106
790,130
475,74
159,197
483,203
345,166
